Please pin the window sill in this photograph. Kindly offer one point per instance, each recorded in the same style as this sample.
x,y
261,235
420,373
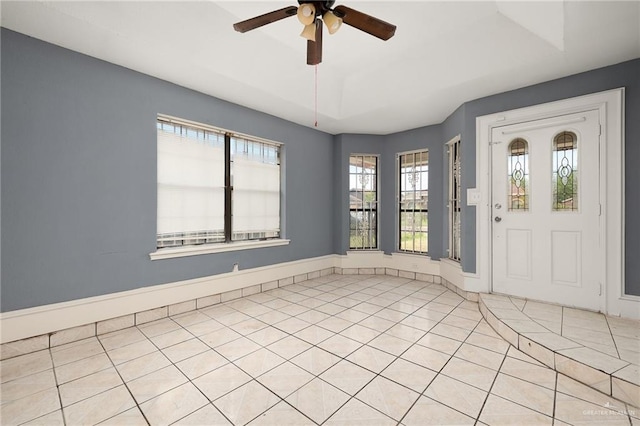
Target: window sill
x,y
169,253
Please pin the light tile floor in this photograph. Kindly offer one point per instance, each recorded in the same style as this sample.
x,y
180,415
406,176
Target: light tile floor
x,y
337,350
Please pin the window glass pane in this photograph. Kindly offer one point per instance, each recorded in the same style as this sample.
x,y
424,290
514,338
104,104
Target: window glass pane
x,y
518,175
190,186
455,185
202,198
363,201
255,172
413,201
565,172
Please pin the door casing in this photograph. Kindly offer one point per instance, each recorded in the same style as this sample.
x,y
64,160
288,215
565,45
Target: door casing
x,y
610,107
558,253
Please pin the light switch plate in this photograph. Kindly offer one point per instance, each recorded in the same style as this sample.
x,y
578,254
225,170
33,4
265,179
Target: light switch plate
x,y
474,196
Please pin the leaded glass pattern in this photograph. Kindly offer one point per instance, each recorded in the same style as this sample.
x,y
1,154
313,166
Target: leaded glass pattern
x,y
363,202
518,175
413,201
565,172
455,201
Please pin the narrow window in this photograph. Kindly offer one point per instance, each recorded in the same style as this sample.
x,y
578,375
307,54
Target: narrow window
x,y
413,200
214,186
565,172
363,202
455,202
518,175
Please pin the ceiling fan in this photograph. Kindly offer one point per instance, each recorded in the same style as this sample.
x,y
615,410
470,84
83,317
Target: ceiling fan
x,y
311,14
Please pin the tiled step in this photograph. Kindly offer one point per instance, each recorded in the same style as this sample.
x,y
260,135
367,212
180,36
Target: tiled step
x,y
600,351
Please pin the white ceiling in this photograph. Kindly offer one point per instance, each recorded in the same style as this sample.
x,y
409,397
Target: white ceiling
x,y
444,53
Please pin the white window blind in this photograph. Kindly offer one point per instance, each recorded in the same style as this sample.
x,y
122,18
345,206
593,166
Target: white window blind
x,y
202,198
255,175
191,174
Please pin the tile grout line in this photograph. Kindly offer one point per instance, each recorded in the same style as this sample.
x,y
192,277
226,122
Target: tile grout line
x,y
355,288
55,377
366,344
378,374
286,360
422,394
555,398
615,344
317,376
171,363
504,357
125,385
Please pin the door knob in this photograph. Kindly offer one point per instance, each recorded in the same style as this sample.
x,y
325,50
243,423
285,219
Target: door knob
x,y
497,219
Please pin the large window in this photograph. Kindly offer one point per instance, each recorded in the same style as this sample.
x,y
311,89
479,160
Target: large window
x,y
215,186
363,202
413,200
455,198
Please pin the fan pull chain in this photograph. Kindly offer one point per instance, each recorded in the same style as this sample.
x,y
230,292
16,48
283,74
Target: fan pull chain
x,y
316,97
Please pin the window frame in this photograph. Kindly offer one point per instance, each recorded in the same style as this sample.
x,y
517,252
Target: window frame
x,y
522,186
400,210
375,204
573,176
229,244
454,204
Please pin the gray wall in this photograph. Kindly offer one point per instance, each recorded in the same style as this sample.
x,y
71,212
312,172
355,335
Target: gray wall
x,y
78,174
79,177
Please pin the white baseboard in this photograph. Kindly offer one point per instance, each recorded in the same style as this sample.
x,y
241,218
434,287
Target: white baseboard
x,y
25,323
60,323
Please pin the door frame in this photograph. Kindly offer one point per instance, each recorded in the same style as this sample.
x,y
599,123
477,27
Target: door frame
x,y
610,107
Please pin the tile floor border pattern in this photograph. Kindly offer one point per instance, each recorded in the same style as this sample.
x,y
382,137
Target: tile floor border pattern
x,y
60,337
424,355
538,338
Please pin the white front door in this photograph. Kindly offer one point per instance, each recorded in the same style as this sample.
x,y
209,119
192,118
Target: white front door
x,y
545,208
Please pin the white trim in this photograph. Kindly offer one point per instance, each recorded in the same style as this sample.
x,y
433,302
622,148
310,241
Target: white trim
x,y
171,252
397,236
42,320
451,271
418,263
610,105
377,201
24,323
450,213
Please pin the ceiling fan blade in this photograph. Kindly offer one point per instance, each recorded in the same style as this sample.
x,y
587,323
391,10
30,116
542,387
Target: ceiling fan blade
x,y
267,18
374,26
314,48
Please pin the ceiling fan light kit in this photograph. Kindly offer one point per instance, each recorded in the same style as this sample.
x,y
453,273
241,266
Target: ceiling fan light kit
x,y
311,14
309,32
332,22
306,13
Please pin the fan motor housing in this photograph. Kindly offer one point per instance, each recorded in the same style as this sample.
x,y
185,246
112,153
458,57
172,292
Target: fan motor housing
x,y
321,6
